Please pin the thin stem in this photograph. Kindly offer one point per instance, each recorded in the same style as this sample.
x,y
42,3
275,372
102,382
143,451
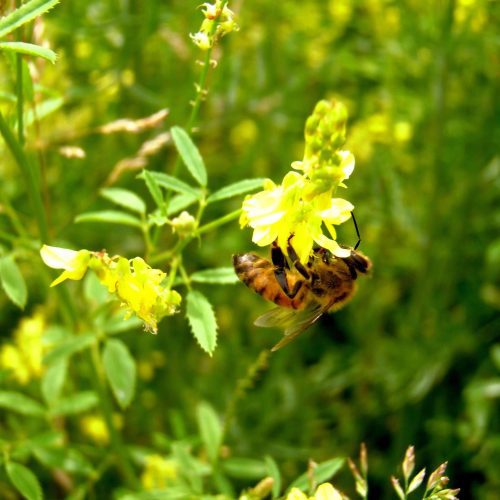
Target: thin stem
x,y
20,99
168,254
120,453
185,277
28,171
19,89
218,222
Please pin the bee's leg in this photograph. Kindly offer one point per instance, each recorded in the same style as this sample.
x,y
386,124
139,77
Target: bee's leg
x,y
296,261
280,267
357,230
280,270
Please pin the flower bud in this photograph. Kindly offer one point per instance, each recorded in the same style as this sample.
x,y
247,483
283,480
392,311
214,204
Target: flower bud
x,y
184,224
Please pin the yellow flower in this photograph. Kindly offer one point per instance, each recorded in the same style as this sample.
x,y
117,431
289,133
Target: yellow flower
x,y
95,428
302,206
324,491
158,472
139,287
23,357
74,263
280,213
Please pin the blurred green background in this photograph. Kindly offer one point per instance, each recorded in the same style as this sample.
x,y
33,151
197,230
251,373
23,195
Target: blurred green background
x,y
415,358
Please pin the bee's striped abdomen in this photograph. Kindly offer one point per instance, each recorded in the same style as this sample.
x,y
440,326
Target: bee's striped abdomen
x,y
258,274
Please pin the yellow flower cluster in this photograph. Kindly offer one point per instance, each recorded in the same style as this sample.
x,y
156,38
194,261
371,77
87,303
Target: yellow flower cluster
x,y
138,286
158,472
299,208
324,491
23,357
219,21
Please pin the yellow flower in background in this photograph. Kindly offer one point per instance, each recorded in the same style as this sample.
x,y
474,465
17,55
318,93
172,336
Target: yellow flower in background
x,y
302,207
95,428
23,357
324,491
158,472
139,287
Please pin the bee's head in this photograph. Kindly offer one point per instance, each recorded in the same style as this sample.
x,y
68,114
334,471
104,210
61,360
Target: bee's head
x,y
358,261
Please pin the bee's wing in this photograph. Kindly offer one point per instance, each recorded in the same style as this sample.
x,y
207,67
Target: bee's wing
x,y
278,317
303,320
294,322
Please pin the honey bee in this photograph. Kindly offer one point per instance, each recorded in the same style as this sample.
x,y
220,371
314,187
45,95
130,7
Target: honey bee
x,y
303,293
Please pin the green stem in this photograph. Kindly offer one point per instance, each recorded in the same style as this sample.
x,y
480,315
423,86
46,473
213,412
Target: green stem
x,y
20,99
218,222
120,453
28,171
185,277
168,254
200,95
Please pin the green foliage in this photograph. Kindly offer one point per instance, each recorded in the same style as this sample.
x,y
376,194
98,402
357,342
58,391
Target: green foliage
x,y
25,481
95,407
201,317
13,282
120,371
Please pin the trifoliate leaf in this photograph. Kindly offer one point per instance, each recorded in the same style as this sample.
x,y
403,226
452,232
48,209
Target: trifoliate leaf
x,y
125,198
13,282
241,187
120,371
210,430
189,154
24,480
202,320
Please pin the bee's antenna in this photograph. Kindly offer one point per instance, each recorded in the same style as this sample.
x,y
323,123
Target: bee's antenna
x,y
357,230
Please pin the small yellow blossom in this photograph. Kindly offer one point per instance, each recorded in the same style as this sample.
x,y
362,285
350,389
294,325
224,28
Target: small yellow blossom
x,y
158,472
324,491
138,286
74,263
219,21
23,357
95,428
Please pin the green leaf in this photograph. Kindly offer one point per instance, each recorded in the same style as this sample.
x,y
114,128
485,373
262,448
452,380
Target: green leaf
x,y
24,14
13,282
210,430
70,460
245,468
44,109
29,49
53,380
153,187
202,320
180,202
69,347
236,189
216,275
120,371
323,472
24,480
170,183
74,404
274,472
189,154
124,198
109,217
15,401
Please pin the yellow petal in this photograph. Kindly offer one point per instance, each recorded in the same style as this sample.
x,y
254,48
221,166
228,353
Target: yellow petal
x,y
57,258
327,492
296,494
